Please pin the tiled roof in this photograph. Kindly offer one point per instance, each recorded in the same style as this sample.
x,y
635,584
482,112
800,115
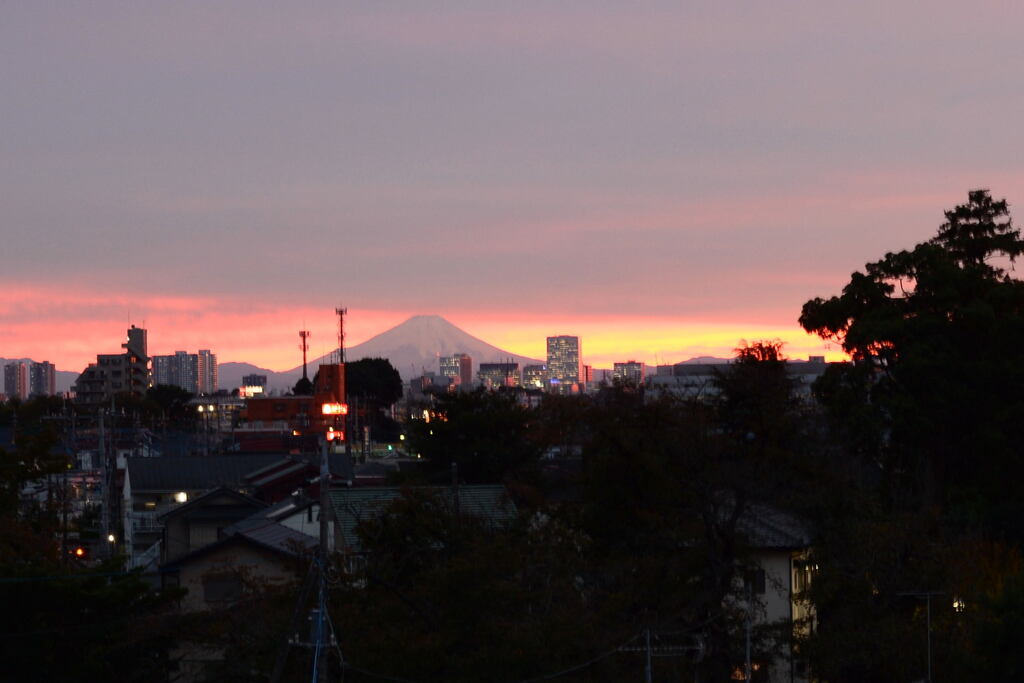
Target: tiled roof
x,y
202,503
193,472
280,538
768,527
339,464
255,530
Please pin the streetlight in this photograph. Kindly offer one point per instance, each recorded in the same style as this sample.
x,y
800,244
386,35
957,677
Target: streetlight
x,y
206,412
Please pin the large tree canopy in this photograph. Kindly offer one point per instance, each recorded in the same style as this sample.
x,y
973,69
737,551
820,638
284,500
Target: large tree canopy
x,y
929,419
935,334
373,379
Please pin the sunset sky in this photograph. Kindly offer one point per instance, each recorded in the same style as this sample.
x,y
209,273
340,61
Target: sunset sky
x,y
662,178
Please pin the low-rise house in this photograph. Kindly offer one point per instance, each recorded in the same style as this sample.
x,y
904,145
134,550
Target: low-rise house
x,y
154,486
202,521
245,557
780,571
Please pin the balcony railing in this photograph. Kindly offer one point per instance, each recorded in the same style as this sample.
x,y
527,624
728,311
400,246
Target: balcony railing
x,y
145,521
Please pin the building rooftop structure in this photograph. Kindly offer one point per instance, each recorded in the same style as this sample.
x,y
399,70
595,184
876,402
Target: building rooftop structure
x,y
112,374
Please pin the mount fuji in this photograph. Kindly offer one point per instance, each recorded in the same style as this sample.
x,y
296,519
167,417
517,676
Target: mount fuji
x,y
413,347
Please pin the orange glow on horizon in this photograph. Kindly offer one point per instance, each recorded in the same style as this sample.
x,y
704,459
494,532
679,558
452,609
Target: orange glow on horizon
x,y
654,341
69,329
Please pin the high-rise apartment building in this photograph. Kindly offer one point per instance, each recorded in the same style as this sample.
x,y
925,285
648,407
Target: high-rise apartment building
x,y
565,362
112,374
459,367
16,380
42,379
193,372
178,370
207,372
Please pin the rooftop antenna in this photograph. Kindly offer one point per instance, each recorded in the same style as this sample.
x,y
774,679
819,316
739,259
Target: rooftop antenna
x,y
342,311
304,345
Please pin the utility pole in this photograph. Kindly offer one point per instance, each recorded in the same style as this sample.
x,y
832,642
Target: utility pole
x,y
104,477
647,665
750,607
320,635
323,558
927,596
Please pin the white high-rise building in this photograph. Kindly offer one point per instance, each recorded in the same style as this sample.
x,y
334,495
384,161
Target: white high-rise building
x,y
207,372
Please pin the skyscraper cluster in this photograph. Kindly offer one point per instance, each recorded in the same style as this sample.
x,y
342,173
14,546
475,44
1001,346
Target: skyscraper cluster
x,y
564,371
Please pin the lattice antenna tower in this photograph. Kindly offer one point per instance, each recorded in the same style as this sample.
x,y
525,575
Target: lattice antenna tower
x,y
341,312
304,345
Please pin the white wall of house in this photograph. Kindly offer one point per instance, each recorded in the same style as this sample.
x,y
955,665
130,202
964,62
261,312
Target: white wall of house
x,y
778,604
308,522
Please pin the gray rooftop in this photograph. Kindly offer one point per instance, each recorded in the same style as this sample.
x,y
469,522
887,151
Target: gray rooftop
x,y
353,505
193,473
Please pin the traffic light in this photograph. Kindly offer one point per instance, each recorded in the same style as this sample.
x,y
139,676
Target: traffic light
x,y
79,552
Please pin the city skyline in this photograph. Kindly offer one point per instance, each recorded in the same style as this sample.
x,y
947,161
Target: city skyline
x,y
715,345
663,181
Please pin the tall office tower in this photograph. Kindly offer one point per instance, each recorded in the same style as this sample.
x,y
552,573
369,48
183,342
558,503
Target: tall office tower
x,y
535,376
631,372
494,375
565,362
207,372
16,380
42,379
458,366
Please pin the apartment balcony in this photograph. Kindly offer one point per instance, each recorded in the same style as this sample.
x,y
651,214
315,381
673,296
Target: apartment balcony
x,y
145,522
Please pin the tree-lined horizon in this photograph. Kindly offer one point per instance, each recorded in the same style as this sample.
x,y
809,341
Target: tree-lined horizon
x,y
903,469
